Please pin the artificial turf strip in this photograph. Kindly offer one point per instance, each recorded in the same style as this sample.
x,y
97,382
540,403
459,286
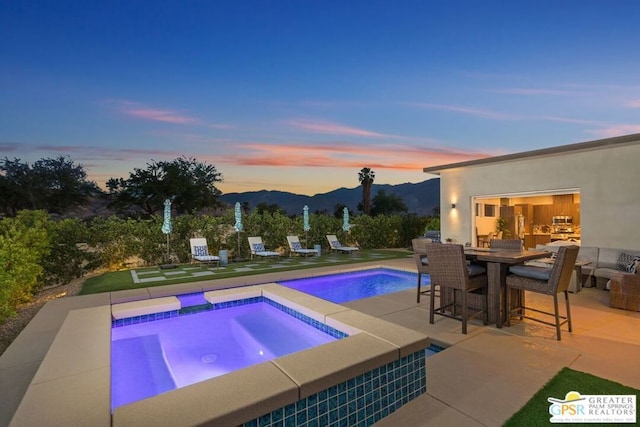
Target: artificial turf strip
x,y
536,411
122,280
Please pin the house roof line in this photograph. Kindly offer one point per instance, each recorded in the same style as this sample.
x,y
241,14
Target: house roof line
x,y
552,151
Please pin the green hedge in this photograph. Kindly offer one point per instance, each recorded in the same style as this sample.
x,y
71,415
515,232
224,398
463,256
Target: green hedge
x,y
37,251
24,245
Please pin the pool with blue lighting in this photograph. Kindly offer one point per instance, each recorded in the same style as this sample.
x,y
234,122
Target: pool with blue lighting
x,y
350,286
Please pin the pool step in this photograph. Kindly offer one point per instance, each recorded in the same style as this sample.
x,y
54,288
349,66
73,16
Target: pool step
x,y
144,307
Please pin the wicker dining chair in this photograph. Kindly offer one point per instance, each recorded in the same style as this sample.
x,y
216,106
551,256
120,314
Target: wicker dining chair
x,y
422,264
449,270
548,281
508,244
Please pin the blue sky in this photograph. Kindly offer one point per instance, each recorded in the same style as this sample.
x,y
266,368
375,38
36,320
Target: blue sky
x,y
300,95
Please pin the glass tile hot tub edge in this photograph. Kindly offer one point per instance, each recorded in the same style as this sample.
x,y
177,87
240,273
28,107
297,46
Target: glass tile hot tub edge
x,y
228,304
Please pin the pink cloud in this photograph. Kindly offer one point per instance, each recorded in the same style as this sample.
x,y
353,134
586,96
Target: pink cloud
x,y
526,91
465,110
617,130
160,116
634,103
332,128
137,110
565,120
341,155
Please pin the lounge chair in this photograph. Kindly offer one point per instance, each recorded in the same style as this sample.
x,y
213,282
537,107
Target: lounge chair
x,y
296,248
200,252
335,245
257,248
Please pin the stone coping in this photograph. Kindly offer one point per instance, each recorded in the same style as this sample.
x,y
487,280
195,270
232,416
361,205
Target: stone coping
x,y
144,307
72,384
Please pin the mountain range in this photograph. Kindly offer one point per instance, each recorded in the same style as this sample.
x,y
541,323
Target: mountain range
x,y
420,198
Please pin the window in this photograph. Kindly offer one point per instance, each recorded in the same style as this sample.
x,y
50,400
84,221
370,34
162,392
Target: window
x,y
490,210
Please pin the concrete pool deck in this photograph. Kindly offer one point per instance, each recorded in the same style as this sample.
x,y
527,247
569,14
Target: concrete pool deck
x,y
481,379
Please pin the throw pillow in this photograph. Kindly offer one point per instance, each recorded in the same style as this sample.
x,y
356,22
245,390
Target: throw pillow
x,y
296,246
335,244
633,266
258,247
200,251
625,262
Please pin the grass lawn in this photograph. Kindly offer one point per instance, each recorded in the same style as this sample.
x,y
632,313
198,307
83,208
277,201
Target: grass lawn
x,y
154,276
536,411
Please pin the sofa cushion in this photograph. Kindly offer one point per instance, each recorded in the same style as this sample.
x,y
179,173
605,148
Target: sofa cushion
x,y
607,273
608,257
588,254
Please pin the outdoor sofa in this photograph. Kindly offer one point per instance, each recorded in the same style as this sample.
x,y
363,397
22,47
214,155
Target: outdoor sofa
x,y
614,269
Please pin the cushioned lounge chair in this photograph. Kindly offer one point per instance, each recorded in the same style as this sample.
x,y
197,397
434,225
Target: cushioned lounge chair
x,y
296,248
200,252
335,245
257,248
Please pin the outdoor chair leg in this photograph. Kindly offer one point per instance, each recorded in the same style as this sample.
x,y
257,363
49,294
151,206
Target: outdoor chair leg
x,y
433,303
485,306
464,313
419,282
507,307
555,306
566,298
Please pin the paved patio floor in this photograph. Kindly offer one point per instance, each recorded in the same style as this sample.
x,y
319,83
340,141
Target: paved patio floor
x,y
481,379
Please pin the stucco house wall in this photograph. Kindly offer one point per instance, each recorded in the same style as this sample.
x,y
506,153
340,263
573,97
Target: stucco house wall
x,y
606,173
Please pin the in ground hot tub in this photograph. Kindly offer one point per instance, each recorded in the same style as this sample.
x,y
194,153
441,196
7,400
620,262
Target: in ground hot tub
x,y
359,378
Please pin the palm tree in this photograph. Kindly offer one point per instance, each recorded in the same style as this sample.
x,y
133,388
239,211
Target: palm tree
x,y
366,177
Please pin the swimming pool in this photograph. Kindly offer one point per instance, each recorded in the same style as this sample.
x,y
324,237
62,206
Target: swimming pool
x,y
349,286
157,356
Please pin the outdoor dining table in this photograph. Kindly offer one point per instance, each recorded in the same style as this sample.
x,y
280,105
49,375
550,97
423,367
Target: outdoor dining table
x,y
498,263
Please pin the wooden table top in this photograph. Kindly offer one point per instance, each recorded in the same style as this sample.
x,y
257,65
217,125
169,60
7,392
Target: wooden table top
x,y
504,256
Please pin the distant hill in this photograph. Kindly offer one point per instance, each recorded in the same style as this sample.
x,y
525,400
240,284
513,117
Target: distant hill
x,y
421,198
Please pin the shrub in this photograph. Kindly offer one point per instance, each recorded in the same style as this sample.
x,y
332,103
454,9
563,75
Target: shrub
x,y
69,256
24,243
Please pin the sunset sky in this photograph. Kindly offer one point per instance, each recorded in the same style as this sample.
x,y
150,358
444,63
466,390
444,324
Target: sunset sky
x,y
300,95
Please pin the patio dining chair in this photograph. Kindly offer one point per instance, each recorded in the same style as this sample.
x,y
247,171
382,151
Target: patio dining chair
x,y
508,244
449,270
547,281
422,263
484,242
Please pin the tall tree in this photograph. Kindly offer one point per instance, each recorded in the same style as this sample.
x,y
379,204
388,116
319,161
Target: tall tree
x,y
189,182
387,204
264,207
338,211
54,185
366,177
